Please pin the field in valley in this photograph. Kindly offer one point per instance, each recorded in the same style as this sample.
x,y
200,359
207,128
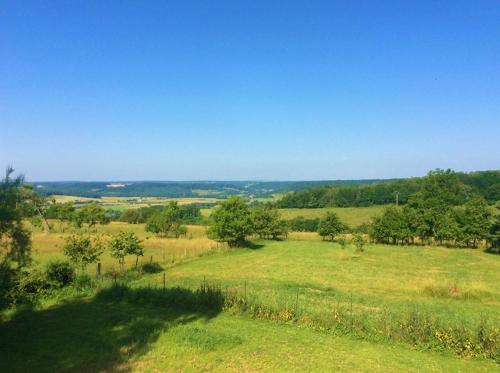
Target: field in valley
x,y
317,282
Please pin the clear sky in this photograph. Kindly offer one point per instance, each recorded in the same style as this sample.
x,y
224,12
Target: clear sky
x,y
190,90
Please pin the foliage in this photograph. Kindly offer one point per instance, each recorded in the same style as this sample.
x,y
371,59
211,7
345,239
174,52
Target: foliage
x,y
186,214
231,222
301,224
60,273
330,226
484,183
123,244
342,242
168,220
267,223
83,250
90,214
15,242
359,242
435,215
494,236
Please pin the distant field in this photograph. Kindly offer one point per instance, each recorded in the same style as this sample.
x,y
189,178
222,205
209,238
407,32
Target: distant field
x,y
352,216
124,203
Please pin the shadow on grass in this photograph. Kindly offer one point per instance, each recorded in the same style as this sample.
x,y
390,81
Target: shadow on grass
x,y
253,246
100,333
492,250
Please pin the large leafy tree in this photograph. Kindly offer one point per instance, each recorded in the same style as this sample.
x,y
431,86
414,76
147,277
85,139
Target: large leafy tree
x,y
475,221
231,222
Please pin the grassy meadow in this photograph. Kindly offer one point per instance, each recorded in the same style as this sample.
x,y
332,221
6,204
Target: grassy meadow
x,y
301,304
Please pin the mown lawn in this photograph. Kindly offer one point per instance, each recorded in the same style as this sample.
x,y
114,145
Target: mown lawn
x,y
98,334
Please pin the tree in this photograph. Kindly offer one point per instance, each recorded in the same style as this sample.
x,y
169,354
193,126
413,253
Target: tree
x,y
231,222
169,220
494,236
446,229
475,223
123,244
91,214
267,223
330,226
15,242
83,250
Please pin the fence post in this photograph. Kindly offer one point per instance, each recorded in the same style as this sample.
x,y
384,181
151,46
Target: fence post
x,y
245,290
351,312
151,259
164,280
98,269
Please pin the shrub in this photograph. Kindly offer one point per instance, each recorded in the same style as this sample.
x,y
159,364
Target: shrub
x,y
83,282
359,242
152,268
342,242
60,273
30,286
83,250
301,224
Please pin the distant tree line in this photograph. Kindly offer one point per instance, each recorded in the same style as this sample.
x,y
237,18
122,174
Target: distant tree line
x,y
187,214
483,183
89,214
444,211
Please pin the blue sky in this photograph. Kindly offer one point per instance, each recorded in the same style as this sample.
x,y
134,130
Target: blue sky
x,y
191,90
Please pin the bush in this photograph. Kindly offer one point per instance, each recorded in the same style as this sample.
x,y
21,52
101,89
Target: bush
x,y
152,267
301,224
342,242
30,286
83,282
359,241
60,273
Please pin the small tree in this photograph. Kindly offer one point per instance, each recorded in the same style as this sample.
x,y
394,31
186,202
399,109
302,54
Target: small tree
x,y
83,250
359,242
126,243
330,226
231,222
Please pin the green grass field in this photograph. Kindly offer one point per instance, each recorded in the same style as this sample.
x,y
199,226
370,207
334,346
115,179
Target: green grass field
x,y
95,335
317,280
352,216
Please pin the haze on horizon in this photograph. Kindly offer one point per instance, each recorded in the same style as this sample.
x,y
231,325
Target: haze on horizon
x,y
187,90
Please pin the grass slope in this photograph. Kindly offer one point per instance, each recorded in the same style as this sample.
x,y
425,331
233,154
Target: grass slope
x,y
97,334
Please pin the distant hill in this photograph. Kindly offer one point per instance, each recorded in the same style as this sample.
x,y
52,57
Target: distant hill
x,y
182,189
